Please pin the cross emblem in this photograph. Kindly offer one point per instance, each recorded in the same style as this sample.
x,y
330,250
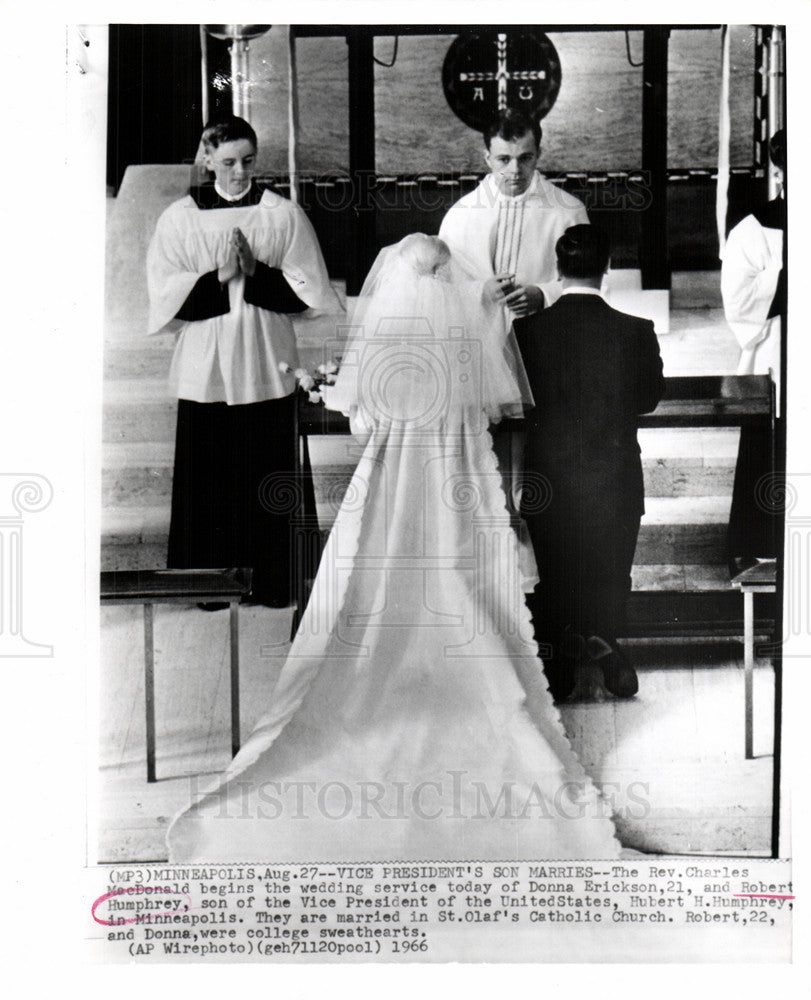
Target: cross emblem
x,y
526,74
502,75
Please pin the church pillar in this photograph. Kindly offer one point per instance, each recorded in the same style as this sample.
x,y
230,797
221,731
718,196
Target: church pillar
x,y
362,237
653,242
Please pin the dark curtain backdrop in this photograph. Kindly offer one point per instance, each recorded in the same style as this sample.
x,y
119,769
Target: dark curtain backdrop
x,y
155,95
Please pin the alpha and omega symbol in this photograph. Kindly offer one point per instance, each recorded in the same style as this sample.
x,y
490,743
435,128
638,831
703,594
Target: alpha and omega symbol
x,y
488,71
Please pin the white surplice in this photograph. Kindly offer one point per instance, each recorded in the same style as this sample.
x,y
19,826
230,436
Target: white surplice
x,y
514,234
412,719
751,262
233,358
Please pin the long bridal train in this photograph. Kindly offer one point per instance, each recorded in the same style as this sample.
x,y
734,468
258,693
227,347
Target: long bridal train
x,y
411,719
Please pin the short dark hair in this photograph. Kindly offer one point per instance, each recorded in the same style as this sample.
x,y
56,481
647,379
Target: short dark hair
x,y
777,149
583,252
510,125
227,130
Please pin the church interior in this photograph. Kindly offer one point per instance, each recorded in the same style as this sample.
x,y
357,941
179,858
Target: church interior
x,y
662,132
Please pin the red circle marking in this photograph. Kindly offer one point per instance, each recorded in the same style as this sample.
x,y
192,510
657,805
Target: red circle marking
x,y
130,889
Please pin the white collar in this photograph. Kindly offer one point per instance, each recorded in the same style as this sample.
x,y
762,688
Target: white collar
x,y
231,197
581,290
501,196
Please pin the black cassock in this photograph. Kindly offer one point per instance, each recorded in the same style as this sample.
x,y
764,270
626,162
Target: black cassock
x,y
592,370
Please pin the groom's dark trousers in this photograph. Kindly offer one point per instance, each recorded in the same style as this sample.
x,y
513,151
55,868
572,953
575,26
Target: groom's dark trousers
x,y
592,371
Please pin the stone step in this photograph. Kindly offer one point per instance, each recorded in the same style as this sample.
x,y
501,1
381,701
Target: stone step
x,y
142,358
149,358
149,481
142,410
138,412
712,444
699,343
317,337
139,407
136,473
695,290
716,446
673,534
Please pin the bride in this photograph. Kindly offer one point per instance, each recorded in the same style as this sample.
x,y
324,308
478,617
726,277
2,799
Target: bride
x,y
411,720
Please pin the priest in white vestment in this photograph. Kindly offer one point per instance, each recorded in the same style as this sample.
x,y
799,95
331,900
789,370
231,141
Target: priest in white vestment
x,y
507,229
509,225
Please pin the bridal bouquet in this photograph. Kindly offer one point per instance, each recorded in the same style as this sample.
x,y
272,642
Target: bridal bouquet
x,y
312,382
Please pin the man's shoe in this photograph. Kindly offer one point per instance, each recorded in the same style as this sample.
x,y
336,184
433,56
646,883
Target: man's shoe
x,y
619,676
560,676
213,605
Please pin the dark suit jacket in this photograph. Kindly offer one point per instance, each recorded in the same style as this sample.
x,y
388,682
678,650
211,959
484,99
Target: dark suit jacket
x,y
592,370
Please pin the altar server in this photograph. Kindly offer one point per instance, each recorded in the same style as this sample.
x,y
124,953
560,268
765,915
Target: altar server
x,y
227,266
753,286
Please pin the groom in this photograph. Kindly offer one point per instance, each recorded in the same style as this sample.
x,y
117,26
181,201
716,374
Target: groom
x,y
592,370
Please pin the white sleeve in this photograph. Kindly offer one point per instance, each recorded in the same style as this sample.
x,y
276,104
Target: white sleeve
x,y
304,268
749,276
580,217
169,274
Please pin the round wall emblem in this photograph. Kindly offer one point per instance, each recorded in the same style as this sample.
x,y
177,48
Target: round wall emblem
x,y
489,70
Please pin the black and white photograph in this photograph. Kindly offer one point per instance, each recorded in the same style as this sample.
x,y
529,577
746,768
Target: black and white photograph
x,y
536,408
438,456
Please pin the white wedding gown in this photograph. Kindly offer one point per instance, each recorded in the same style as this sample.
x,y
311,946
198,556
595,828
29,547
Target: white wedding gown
x,y
411,720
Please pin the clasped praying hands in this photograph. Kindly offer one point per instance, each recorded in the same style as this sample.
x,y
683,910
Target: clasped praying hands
x,y
240,257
